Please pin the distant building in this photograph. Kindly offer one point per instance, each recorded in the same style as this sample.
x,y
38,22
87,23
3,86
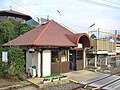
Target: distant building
x,y
6,14
118,44
118,50
104,49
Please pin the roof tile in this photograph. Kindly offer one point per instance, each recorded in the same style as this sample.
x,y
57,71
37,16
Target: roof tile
x,y
50,34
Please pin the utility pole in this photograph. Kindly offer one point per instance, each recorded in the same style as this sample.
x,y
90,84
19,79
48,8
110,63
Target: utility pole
x,y
97,39
97,47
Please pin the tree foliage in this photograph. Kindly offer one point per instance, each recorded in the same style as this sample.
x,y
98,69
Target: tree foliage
x,y
15,64
12,28
93,36
9,30
16,61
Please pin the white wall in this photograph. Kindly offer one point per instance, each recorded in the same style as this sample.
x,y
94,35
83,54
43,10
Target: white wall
x,y
84,57
39,64
28,60
46,63
33,59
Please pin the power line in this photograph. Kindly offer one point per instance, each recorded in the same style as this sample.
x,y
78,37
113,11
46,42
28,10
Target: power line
x,y
24,8
117,3
99,4
33,13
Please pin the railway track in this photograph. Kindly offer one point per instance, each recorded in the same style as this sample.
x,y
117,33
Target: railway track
x,y
106,82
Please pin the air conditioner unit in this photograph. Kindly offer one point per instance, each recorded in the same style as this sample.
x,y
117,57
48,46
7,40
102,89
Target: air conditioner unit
x,y
31,72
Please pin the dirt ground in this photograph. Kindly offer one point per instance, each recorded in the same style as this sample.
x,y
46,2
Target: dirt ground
x,y
28,88
7,82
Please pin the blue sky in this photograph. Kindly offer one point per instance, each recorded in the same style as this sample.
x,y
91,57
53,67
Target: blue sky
x,y
75,14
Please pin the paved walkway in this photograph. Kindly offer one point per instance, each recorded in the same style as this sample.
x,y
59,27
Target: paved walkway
x,y
77,76
82,75
36,81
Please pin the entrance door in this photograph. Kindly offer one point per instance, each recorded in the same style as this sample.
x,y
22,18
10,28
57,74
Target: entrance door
x,y
79,62
55,62
73,60
76,60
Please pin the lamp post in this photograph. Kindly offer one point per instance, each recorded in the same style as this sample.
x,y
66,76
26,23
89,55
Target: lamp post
x,y
59,15
90,27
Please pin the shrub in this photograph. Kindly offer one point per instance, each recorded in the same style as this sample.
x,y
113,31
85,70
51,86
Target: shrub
x,y
16,63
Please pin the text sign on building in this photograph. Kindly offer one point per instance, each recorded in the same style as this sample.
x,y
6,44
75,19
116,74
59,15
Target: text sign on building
x,y
4,56
79,45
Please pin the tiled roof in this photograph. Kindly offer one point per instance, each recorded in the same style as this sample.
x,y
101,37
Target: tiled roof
x,y
50,34
15,14
77,38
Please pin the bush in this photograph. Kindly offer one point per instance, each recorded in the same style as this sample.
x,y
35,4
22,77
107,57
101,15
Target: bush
x,y
16,61
15,64
3,69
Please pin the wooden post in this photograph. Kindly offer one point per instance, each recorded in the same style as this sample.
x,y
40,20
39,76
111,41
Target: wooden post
x,y
59,57
41,66
95,60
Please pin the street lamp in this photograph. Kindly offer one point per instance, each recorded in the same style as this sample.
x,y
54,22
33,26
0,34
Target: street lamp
x,y
90,27
59,15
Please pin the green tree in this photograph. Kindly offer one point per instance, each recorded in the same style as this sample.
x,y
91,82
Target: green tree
x,y
6,31
93,36
16,61
9,30
20,27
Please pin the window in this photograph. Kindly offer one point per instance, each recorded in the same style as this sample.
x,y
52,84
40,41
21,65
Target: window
x,y
54,55
18,18
3,17
79,55
64,56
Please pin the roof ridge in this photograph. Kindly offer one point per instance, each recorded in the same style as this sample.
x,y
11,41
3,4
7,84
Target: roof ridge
x,y
68,28
37,39
14,11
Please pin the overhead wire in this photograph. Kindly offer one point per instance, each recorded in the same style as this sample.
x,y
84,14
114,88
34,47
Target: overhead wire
x,y
24,7
116,3
99,4
86,1
33,13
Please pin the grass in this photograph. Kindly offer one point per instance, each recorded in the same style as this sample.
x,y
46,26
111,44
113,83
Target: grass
x,y
23,82
52,76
